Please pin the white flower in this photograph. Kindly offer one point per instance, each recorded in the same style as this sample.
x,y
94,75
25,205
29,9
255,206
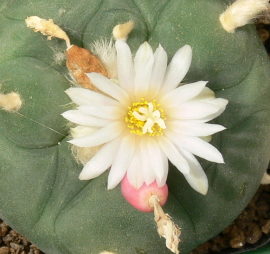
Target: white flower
x,y
147,119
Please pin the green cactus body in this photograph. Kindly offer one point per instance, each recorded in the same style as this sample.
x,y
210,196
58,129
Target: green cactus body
x,y
41,195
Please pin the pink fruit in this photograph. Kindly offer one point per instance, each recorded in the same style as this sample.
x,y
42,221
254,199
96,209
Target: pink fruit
x,y
140,198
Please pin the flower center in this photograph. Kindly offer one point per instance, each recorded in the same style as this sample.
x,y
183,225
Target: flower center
x,y
146,117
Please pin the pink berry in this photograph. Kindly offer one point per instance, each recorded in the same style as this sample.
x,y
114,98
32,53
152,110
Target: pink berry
x,y
140,198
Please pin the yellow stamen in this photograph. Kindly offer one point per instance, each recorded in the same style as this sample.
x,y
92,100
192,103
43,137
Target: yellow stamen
x,y
146,118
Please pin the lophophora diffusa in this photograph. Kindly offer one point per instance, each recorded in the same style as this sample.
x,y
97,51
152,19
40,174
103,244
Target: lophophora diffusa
x,y
129,119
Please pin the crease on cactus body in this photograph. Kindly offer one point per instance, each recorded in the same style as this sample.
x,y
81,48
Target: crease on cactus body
x,y
83,154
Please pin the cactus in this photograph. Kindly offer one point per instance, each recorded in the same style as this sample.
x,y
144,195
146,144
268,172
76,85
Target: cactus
x,y
41,195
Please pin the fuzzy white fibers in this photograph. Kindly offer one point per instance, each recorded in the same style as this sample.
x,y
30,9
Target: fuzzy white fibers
x,y
10,102
106,52
121,31
242,12
83,154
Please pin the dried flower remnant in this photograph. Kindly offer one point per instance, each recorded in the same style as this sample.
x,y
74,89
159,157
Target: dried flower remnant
x,y
79,60
166,227
10,102
242,12
47,27
147,116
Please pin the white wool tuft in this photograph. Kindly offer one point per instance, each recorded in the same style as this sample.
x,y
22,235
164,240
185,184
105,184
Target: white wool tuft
x,y
121,31
83,154
242,12
265,179
105,51
10,102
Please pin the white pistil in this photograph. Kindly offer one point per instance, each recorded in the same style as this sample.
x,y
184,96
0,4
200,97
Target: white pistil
x,y
150,118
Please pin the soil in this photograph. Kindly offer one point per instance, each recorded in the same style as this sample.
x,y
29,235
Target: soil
x,y
13,243
248,228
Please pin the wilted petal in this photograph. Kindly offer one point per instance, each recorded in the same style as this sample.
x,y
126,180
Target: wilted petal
x,y
143,65
196,146
100,136
82,96
177,69
109,87
125,67
97,165
196,178
107,112
76,116
190,128
158,72
173,154
122,161
182,94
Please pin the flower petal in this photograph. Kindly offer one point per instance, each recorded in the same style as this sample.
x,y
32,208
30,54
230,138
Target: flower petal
x,y
125,67
219,102
206,94
81,130
159,161
134,173
100,136
147,170
173,154
122,161
189,128
143,65
107,112
182,94
109,87
177,69
206,138
196,178
75,116
82,96
196,146
97,165
192,110
158,72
